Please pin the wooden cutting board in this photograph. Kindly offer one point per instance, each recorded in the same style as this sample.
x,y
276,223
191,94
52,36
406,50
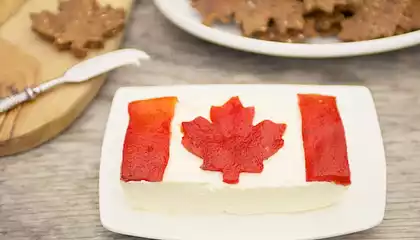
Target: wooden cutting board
x,y
8,8
31,60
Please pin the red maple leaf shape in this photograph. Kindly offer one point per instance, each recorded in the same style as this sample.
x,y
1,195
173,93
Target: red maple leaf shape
x,y
230,143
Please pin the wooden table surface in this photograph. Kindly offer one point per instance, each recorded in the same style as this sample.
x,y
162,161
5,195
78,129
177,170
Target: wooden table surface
x,y
52,192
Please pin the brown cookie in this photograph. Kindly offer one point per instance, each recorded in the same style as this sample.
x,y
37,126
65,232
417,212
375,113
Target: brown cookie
x,y
253,15
256,16
374,19
79,25
215,10
288,15
328,6
317,24
297,20
411,19
326,24
273,35
291,36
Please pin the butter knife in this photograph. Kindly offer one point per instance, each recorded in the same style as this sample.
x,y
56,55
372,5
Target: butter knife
x,y
80,72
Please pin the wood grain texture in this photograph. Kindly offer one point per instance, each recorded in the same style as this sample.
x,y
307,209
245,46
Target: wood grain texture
x,y
52,192
54,111
8,8
18,72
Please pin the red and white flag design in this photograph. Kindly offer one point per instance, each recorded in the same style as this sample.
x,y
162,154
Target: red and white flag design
x,y
166,137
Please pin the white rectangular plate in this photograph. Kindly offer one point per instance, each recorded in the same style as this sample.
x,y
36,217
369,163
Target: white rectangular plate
x,y
362,208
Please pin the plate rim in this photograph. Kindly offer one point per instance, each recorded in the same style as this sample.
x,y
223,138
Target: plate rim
x,y
293,50
105,213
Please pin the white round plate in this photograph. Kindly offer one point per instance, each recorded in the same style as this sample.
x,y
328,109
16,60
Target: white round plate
x,y
184,16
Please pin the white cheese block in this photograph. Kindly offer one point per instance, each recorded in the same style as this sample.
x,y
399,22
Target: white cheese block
x,y
280,188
